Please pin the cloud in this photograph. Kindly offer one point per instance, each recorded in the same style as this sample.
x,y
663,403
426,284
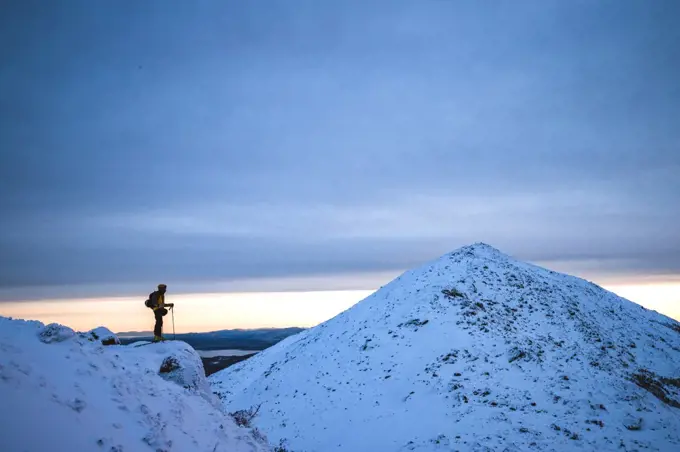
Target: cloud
x,y
226,141
399,215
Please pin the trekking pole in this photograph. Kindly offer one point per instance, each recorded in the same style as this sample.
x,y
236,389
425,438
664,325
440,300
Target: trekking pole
x,y
173,322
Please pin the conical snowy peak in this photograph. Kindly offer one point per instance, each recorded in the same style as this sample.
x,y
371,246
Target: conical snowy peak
x,y
481,249
473,351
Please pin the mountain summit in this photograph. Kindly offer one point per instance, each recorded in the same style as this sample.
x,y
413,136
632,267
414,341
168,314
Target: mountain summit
x,y
475,351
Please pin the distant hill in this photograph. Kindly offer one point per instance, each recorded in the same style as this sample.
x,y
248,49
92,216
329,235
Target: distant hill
x,y
242,339
135,334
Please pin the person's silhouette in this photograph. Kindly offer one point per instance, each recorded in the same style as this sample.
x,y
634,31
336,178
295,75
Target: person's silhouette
x,y
158,305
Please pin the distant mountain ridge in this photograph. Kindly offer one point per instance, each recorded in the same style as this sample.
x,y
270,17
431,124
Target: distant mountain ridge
x,y
243,339
226,331
474,351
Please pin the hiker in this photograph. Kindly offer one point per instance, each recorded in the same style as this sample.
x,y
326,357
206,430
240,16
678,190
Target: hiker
x,y
158,304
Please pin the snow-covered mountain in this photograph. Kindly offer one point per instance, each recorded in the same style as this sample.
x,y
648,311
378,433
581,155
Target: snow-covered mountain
x,y
67,391
475,351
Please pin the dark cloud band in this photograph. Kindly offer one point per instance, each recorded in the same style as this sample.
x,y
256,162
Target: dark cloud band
x,y
229,141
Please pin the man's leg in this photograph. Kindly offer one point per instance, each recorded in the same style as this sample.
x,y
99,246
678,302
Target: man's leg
x,y
158,328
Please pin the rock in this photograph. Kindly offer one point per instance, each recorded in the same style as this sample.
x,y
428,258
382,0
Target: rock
x,y
185,368
633,423
170,364
104,335
55,332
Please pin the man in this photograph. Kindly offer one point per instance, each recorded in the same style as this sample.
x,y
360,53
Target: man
x,y
158,305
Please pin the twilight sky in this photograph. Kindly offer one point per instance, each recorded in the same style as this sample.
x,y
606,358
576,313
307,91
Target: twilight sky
x,y
205,141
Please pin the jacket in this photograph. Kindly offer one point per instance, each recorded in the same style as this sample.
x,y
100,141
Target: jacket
x,y
157,300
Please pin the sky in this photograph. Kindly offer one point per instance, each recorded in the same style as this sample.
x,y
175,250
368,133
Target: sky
x,y
320,146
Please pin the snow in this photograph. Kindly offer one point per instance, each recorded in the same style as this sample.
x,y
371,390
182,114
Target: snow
x,y
55,333
61,390
105,335
475,351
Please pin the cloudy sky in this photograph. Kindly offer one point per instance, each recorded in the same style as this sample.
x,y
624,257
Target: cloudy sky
x,y
186,142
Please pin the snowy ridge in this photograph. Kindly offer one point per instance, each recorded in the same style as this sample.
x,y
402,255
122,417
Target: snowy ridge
x,y
67,391
475,351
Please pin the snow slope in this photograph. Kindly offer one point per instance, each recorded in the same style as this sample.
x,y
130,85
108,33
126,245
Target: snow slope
x,y
475,351
66,391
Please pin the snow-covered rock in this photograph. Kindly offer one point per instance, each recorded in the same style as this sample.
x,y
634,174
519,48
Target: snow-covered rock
x,y
185,368
63,391
55,332
475,351
104,335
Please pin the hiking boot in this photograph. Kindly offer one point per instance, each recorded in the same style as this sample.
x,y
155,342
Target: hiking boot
x,y
158,339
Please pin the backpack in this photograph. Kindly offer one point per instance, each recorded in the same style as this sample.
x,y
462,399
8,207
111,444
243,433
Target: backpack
x,y
151,301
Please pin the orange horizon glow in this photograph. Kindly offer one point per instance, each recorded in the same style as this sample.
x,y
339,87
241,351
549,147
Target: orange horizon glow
x,y
219,311
193,312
